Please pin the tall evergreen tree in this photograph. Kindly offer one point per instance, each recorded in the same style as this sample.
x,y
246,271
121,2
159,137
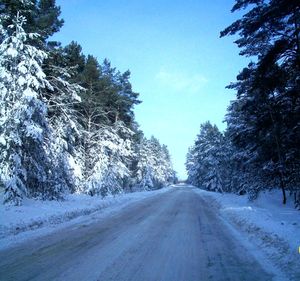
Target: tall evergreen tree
x,y
24,128
204,162
154,168
118,97
42,16
263,122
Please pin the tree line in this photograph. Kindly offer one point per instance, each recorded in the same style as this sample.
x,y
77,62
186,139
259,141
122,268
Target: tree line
x,y
67,122
260,148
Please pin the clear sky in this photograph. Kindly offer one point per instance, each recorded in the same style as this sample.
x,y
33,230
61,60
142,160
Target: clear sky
x,y
178,63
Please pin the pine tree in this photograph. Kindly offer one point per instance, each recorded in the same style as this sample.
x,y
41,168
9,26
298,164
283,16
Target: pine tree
x,y
206,160
154,168
212,161
118,97
263,122
64,122
109,157
24,128
42,17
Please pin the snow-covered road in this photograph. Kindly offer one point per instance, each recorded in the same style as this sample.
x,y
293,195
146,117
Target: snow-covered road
x,y
176,235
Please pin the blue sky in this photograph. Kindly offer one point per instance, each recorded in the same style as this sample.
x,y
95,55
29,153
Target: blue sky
x,y
178,63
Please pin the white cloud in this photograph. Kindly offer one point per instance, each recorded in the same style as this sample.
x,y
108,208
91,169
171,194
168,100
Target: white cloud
x,y
180,81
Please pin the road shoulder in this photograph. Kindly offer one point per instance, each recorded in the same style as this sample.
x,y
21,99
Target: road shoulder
x,y
271,241
38,218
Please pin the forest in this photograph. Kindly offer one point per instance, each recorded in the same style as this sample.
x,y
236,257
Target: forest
x,y
67,123
259,150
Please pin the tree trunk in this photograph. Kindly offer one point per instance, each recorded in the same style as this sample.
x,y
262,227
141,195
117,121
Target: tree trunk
x,y
282,186
281,175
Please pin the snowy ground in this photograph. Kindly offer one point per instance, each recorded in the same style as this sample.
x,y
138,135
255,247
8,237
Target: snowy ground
x,y
176,233
268,224
173,236
35,218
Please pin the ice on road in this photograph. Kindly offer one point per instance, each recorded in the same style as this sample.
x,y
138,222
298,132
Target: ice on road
x,y
177,235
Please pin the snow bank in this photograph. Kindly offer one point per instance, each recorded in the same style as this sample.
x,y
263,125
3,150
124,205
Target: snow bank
x,y
35,214
269,224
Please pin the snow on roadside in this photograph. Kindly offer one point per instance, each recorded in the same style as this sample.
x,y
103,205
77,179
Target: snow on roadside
x,y
36,214
267,223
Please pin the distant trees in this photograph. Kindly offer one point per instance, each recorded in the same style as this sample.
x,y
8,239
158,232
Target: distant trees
x,y
154,168
66,122
211,162
203,161
263,121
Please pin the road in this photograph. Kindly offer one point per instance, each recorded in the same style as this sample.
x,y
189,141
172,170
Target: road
x,y
177,235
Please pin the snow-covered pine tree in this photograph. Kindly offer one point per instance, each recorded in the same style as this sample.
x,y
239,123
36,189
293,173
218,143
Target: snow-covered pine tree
x,y
109,153
216,164
154,168
167,166
143,172
118,146
92,158
264,119
206,160
66,129
191,164
24,130
42,17
63,118
146,182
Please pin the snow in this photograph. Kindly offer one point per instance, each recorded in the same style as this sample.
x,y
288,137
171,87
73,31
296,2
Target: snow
x,y
267,223
36,217
268,230
2,140
172,236
29,94
12,52
74,167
